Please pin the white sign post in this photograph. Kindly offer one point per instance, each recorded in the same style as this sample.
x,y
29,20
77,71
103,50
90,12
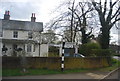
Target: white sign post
x,y
69,45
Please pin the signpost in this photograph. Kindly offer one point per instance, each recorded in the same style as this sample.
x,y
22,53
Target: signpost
x,y
65,45
69,45
62,62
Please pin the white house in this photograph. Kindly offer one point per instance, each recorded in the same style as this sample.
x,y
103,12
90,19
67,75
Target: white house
x,y
17,37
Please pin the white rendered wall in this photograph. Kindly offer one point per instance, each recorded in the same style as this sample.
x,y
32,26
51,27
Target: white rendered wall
x,y
44,50
8,34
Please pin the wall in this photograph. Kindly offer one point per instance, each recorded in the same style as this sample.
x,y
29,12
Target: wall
x,y
8,34
55,62
44,50
22,35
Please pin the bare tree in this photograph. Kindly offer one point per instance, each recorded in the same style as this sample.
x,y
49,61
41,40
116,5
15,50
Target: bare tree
x,y
49,37
81,14
108,16
74,21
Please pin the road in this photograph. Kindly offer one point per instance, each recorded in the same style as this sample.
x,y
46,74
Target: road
x,y
115,75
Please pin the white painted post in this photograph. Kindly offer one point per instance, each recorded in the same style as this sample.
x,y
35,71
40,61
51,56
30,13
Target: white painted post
x,y
62,62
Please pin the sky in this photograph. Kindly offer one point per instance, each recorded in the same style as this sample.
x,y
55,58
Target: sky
x,y
22,9
43,9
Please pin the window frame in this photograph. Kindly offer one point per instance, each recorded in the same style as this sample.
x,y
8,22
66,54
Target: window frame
x,y
29,47
1,33
34,48
15,34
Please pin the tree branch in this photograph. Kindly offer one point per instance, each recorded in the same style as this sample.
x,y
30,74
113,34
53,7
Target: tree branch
x,y
105,4
110,13
114,3
114,23
117,12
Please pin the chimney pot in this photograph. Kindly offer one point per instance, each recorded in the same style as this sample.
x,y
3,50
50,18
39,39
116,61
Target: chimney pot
x,y
34,14
33,18
8,12
7,15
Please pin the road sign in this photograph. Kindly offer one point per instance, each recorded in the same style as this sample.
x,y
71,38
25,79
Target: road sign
x,y
69,44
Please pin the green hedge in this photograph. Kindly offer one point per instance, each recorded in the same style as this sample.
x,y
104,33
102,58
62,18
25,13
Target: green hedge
x,y
86,49
102,52
94,50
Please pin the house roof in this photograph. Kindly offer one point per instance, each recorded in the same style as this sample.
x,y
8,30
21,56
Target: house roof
x,y
21,25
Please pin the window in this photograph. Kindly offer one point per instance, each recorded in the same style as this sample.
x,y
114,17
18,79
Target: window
x,y
15,34
29,48
24,47
1,34
30,35
34,48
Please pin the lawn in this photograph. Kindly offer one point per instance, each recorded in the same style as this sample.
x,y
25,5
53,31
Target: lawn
x,y
18,72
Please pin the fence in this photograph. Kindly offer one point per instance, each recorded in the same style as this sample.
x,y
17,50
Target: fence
x,y
55,62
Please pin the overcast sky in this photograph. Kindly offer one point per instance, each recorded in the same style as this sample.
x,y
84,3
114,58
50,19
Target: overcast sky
x,y
23,9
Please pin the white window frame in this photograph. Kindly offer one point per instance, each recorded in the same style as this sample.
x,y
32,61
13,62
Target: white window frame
x,y
15,34
34,48
29,47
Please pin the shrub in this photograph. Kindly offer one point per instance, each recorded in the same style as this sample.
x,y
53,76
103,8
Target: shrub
x,y
53,55
86,49
102,52
53,49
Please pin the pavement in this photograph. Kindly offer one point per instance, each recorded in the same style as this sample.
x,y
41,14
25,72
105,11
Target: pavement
x,y
114,75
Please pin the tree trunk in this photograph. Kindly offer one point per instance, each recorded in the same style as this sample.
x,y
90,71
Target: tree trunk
x,y
84,39
105,37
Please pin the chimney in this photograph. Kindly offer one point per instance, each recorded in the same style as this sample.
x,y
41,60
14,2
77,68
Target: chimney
x,y
33,18
7,15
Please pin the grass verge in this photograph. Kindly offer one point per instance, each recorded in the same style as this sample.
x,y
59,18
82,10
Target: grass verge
x,y
115,65
18,72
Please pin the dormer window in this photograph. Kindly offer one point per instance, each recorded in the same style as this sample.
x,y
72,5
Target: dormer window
x,y
15,34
